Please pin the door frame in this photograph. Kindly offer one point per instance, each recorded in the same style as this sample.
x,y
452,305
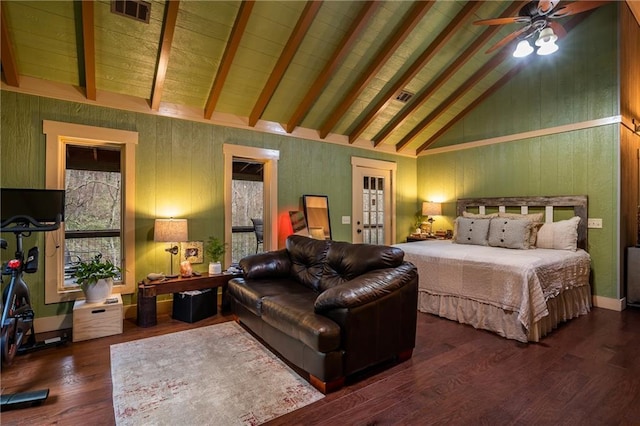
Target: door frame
x,y
269,157
387,166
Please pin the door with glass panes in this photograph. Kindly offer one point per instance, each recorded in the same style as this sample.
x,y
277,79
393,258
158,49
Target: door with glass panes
x,y
372,206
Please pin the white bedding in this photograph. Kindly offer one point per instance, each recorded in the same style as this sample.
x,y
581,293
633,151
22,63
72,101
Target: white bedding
x,y
454,279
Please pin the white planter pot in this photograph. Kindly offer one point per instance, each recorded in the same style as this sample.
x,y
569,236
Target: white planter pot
x,y
215,268
99,292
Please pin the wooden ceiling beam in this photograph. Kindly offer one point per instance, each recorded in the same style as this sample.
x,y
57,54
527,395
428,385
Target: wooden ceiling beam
x,y
356,29
168,29
424,95
408,24
239,26
89,49
490,91
501,82
299,32
9,64
457,22
454,97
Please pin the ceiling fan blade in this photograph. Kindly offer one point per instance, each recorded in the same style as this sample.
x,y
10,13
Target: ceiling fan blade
x,y
503,21
576,7
546,6
508,39
557,29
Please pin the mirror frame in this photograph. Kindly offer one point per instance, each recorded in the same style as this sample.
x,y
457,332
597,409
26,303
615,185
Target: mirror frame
x,y
318,218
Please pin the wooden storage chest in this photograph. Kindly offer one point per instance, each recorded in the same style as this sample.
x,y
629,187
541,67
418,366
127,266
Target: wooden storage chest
x,y
93,320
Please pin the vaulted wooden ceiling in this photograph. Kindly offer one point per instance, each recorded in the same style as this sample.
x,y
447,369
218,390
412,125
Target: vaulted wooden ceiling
x,y
330,69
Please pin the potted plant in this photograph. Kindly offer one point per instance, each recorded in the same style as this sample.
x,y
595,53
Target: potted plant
x,y
215,249
95,278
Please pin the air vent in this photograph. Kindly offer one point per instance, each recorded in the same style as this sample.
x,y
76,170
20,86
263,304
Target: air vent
x,y
136,9
404,96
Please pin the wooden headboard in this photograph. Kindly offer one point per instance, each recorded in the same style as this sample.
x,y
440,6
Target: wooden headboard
x,y
578,202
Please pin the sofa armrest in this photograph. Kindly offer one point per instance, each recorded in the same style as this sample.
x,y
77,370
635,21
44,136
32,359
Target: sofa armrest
x,y
366,288
271,264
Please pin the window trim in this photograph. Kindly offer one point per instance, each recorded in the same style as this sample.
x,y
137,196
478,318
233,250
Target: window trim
x,y
269,157
58,134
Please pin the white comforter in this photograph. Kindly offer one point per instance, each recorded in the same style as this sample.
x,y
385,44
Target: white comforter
x,y
514,280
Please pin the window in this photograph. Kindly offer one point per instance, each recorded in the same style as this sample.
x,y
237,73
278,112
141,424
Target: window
x,y
93,207
96,167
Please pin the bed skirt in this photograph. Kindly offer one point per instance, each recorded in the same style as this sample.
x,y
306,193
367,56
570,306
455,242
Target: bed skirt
x,y
569,304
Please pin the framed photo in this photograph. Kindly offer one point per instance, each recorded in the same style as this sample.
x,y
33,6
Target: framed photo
x,y
192,251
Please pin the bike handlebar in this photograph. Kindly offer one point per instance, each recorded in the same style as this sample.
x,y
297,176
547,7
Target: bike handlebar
x,y
22,223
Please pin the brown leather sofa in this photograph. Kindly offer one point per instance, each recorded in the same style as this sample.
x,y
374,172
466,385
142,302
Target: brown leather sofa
x,y
330,308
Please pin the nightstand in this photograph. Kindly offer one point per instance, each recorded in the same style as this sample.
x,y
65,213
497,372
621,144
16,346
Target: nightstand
x,y
413,238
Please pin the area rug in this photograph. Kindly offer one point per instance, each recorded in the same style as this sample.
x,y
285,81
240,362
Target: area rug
x,y
218,374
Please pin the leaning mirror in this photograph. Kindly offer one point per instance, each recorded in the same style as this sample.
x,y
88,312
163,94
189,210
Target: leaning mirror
x,y
316,210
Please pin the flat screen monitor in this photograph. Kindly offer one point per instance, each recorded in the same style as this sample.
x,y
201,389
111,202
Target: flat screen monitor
x,y
41,204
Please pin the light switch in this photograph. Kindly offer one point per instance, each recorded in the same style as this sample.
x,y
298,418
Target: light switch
x,y
346,220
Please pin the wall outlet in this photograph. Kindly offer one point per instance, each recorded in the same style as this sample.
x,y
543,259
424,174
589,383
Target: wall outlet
x,y
594,223
346,220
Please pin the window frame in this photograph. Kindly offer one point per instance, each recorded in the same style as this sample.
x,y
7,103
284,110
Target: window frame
x,y
58,135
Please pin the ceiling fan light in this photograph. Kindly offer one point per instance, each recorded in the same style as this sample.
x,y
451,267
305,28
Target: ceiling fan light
x,y
546,36
523,49
547,49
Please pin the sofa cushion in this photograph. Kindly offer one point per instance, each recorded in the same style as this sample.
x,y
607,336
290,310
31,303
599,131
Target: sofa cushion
x,y
346,261
251,292
271,264
293,314
307,259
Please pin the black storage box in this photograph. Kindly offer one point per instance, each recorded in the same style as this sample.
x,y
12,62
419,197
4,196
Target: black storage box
x,y
192,306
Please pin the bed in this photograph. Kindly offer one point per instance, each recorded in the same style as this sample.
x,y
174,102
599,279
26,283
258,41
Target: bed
x,y
519,285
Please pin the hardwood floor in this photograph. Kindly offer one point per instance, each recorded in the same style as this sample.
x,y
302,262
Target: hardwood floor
x,y
585,373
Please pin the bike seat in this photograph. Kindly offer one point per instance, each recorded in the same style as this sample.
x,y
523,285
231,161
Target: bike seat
x,y
3,243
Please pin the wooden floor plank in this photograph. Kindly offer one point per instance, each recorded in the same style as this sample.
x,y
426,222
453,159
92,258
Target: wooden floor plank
x,y
586,372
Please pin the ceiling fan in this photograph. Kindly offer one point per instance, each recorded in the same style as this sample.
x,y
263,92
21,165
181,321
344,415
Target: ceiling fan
x,y
538,18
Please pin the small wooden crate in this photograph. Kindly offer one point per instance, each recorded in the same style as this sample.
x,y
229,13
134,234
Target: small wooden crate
x,y
93,320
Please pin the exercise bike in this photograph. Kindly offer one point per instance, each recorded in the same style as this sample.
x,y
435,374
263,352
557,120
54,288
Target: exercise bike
x,y
18,334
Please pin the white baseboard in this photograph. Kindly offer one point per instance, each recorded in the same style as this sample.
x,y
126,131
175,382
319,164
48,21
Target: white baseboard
x,y
162,307
54,323
60,322
609,303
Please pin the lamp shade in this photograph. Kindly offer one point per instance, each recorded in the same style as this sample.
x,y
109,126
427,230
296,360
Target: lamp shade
x,y
170,230
547,36
523,49
431,209
547,49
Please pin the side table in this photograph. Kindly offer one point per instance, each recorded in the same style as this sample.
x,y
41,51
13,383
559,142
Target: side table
x,y
148,290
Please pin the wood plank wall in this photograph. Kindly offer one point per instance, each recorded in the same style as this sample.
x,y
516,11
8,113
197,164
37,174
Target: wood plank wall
x,y
629,141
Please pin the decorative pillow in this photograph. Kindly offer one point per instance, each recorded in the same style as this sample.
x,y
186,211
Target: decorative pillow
x,y
561,235
510,233
472,231
532,217
479,216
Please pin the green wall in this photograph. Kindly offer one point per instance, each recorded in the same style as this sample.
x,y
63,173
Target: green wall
x,y
575,163
179,172
577,84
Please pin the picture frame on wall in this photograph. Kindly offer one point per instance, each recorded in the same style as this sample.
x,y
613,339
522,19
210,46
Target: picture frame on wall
x,y
193,251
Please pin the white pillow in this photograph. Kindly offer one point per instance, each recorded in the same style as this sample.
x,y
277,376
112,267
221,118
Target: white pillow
x,y
510,233
472,231
479,216
535,218
561,235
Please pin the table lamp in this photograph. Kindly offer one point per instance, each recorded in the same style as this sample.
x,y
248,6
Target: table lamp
x,y
171,231
429,209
